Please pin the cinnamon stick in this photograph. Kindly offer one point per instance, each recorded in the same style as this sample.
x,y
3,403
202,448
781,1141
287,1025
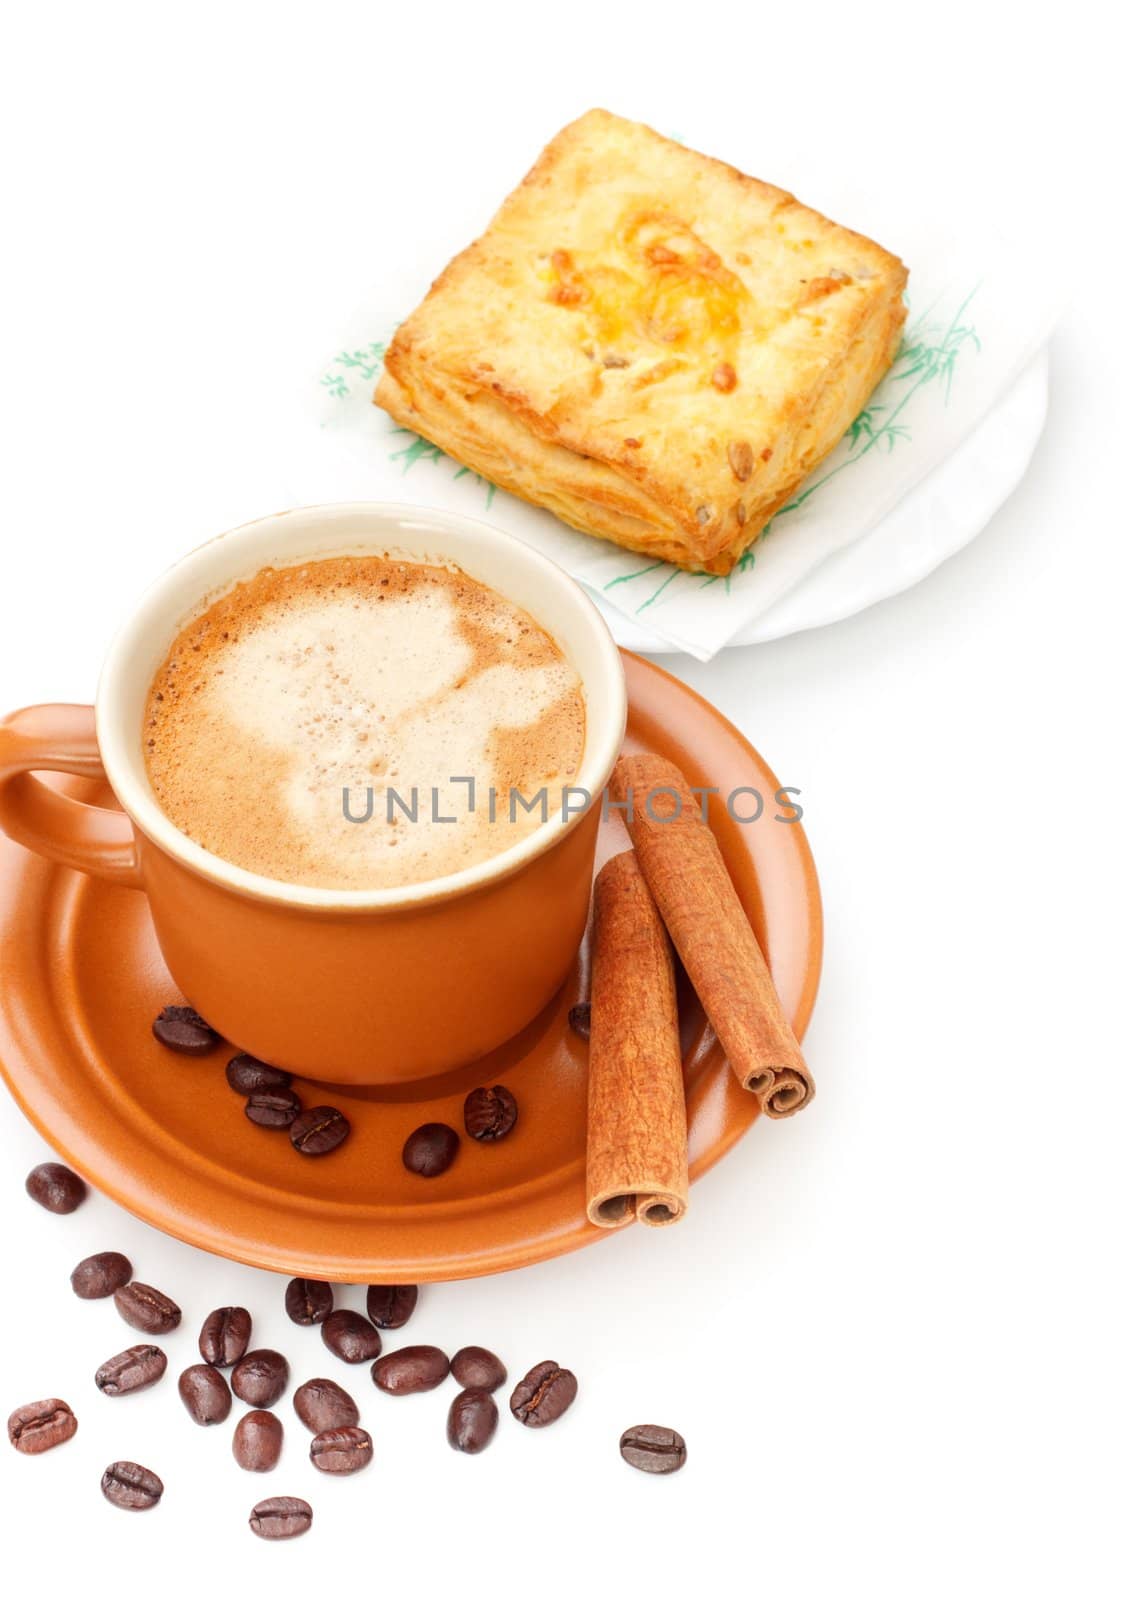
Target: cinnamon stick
x,y
683,865
637,1119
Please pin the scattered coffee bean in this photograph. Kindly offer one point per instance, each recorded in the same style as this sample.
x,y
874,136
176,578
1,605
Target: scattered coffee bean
x,y
131,1487
180,1028
652,1449
40,1426
490,1113
131,1370
321,1404
319,1131
430,1149
225,1336
281,1517
472,1421
205,1394
544,1394
147,1309
96,1277
56,1188
257,1441
341,1449
412,1370
260,1378
580,1019
476,1368
390,1305
308,1301
273,1108
350,1336
247,1075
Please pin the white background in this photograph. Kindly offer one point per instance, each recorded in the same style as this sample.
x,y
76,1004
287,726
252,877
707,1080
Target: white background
x,y
895,1329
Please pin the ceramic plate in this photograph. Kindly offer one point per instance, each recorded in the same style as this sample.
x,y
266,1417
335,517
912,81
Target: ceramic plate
x,y
165,1136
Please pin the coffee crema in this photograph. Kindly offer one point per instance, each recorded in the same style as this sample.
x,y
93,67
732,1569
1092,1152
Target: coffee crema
x,y
405,695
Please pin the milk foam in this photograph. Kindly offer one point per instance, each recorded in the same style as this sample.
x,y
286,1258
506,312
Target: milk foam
x,y
360,674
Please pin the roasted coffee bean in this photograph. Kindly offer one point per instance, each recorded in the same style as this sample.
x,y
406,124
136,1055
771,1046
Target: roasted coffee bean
x,y
131,1370
319,1131
580,1019
147,1309
411,1370
390,1305
260,1378
341,1449
543,1395
430,1149
490,1113
225,1336
281,1517
41,1426
205,1394
321,1404
652,1449
96,1277
308,1301
131,1487
273,1108
350,1336
472,1422
180,1028
257,1441
476,1368
56,1188
247,1075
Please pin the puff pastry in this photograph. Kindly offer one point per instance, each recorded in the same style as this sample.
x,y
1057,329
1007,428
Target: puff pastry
x,y
652,345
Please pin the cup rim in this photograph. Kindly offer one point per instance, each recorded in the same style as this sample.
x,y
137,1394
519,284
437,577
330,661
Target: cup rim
x,y
125,767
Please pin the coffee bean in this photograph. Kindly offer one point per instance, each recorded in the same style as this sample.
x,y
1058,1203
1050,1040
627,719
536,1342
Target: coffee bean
x,y
472,1421
180,1028
321,1404
580,1019
225,1336
390,1305
282,1517
476,1368
430,1149
40,1426
131,1487
247,1075
257,1441
316,1132
205,1394
652,1449
131,1370
147,1309
490,1113
308,1301
96,1277
260,1378
350,1336
273,1108
56,1188
412,1370
544,1394
341,1449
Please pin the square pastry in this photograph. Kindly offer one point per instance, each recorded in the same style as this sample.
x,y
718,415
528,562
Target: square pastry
x,y
650,344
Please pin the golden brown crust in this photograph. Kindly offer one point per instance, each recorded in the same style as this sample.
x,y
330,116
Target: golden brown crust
x,y
652,345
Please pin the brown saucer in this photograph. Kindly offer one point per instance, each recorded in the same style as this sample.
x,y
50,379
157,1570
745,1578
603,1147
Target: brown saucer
x,y
166,1137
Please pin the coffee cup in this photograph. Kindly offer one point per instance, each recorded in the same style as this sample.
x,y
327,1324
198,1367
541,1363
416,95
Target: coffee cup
x,y
355,986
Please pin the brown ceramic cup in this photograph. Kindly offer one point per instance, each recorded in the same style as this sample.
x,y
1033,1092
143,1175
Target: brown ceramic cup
x,y
352,986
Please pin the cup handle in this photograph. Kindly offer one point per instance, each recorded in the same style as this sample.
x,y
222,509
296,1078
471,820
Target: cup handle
x,y
92,839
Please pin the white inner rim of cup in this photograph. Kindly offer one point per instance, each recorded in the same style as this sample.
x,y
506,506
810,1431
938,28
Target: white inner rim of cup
x,y
411,533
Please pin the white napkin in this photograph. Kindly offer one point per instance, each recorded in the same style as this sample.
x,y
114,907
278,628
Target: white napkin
x,y
973,325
